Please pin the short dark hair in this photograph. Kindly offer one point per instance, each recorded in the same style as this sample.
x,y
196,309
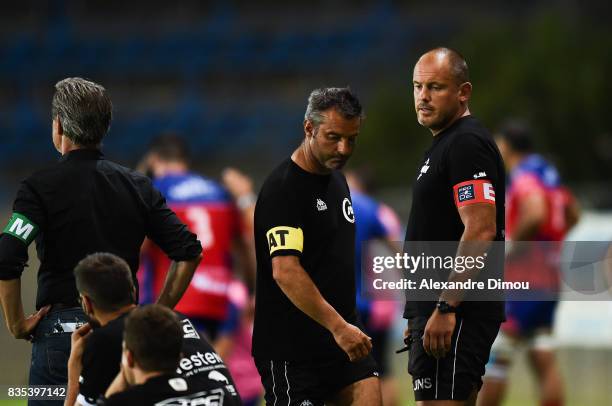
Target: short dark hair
x,y
340,98
517,133
154,335
83,109
170,147
458,65
107,280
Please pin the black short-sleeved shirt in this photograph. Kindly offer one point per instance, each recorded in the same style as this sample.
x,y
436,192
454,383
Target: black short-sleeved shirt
x,y
309,216
102,357
462,166
173,390
81,205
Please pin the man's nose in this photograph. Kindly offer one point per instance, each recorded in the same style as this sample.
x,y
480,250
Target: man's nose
x,y
345,147
424,94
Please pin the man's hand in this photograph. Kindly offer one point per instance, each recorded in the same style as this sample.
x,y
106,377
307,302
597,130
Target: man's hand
x,y
75,364
407,331
78,339
353,341
438,333
119,384
25,327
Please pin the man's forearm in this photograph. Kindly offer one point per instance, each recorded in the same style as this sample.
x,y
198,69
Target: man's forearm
x,y
473,244
303,293
73,384
177,280
10,295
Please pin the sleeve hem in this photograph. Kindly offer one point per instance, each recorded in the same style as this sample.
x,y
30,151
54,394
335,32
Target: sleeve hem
x,y
285,253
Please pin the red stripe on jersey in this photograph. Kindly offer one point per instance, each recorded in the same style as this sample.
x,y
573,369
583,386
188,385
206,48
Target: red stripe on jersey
x,y
474,191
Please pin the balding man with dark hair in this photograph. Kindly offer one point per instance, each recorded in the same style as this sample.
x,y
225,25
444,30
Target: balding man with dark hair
x,y
458,195
456,62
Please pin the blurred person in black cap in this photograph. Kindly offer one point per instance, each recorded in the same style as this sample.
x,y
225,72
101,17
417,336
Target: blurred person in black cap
x,y
81,204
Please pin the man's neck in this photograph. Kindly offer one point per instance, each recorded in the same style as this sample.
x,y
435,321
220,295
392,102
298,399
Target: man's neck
x,y
304,158
66,145
105,318
463,112
141,376
72,147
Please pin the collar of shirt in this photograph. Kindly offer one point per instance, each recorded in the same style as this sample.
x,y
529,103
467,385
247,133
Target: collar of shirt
x,y
86,154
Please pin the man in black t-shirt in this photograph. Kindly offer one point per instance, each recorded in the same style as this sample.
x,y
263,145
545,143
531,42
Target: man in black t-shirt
x,y
107,294
152,343
308,343
84,203
458,195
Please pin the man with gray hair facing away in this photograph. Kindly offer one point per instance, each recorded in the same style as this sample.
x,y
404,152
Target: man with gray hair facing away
x,y
308,342
79,205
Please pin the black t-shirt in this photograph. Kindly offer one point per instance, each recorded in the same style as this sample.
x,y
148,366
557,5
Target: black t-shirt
x,y
175,390
462,166
81,205
309,216
102,357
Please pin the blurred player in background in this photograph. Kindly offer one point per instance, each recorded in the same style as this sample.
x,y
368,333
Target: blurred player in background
x,y
209,211
374,221
539,209
236,333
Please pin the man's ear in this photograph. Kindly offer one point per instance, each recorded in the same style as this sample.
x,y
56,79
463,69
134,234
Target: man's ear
x,y
131,361
308,128
129,358
57,126
465,92
87,304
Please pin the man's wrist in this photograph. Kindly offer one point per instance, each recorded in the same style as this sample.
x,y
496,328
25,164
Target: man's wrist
x,y
17,327
445,307
450,297
74,367
337,326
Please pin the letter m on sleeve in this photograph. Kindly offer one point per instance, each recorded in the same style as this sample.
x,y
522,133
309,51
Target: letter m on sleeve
x,y
20,227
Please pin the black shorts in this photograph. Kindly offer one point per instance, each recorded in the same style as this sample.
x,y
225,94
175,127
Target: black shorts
x,y
455,376
380,339
295,382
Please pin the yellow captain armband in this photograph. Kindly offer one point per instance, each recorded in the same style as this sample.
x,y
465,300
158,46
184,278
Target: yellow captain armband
x,y
285,238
